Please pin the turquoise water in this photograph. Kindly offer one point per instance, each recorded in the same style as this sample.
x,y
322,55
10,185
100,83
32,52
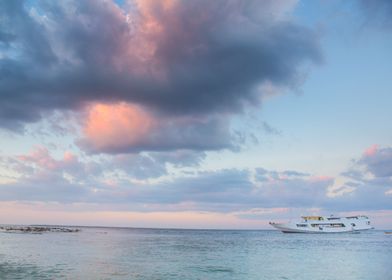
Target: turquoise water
x,y
110,253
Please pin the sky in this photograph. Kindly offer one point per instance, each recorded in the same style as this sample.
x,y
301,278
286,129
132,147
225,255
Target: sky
x,y
194,114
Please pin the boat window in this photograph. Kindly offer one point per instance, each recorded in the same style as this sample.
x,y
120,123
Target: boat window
x,y
333,218
302,225
353,224
337,225
328,225
317,218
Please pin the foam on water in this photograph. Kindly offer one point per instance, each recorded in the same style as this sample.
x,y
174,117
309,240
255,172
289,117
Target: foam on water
x,y
110,253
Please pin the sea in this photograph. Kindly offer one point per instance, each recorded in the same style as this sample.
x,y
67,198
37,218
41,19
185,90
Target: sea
x,y
131,253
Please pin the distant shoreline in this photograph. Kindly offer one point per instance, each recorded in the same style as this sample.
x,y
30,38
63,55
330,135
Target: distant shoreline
x,y
36,229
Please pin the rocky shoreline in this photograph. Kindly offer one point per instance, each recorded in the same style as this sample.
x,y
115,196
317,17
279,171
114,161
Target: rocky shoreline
x,y
36,229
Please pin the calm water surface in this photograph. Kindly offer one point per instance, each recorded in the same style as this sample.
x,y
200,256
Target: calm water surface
x,y
110,253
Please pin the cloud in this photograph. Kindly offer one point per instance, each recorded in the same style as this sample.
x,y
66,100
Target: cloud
x,y
157,181
125,128
155,164
116,127
378,161
367,181
377,12
40,166
126,180
177,58
270,129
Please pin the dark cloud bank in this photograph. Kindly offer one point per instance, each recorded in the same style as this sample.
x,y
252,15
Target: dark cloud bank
x,y
205,56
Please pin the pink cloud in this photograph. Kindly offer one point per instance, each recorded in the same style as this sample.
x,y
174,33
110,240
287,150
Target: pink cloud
x,y
116,125
371,151
41,157
69,157
126,127
40,166
378,160
321,178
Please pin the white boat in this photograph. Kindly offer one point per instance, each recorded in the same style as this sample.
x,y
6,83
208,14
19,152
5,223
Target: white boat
x,y
321,224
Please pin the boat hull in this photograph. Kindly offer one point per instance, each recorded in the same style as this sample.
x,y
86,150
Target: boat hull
x,y
286,229
325,225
